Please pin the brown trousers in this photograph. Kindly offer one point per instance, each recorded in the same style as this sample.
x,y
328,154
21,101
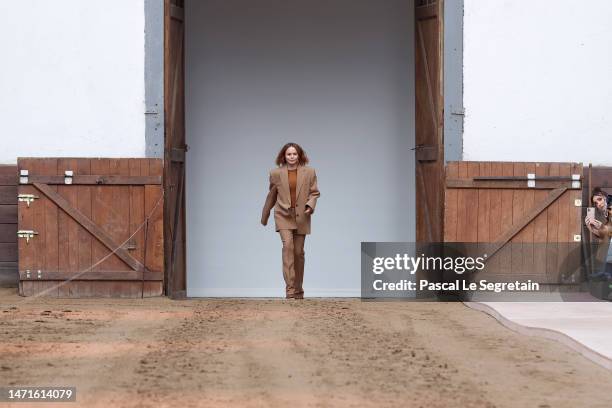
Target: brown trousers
x,y
293,261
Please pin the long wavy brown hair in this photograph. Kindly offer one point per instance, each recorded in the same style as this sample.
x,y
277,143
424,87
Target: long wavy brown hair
x,y
302,156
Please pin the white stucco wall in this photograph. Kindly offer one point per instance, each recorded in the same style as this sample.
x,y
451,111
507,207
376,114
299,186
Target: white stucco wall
x,y
72,78
538,80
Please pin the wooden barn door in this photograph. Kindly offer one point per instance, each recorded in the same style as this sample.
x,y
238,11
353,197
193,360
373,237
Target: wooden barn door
x,y
528,216
429,149
175,147
90,227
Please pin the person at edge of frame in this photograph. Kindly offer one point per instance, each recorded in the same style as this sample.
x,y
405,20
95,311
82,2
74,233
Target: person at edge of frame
x,y
601,227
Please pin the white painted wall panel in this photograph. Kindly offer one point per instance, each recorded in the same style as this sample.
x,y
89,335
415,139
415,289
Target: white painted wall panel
x,y
538,80
72,78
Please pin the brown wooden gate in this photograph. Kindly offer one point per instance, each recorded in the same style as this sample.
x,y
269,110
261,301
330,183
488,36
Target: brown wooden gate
x,y
529,213
90,227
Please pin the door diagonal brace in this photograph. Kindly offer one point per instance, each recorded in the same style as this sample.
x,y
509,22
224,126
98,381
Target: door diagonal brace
x,y
525,219
90,226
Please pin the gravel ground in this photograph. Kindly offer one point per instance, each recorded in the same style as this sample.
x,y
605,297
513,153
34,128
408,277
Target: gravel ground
x,y
274,352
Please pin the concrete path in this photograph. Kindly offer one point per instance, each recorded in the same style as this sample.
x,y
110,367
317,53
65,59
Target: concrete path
x,y
584,326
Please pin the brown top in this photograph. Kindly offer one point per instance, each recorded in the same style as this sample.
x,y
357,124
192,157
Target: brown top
x,y
292,185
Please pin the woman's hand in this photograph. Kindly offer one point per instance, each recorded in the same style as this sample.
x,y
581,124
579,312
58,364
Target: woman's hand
x,y
590,221
595,226
308,210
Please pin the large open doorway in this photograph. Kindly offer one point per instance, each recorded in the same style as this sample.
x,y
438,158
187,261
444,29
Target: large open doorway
x,y
345,80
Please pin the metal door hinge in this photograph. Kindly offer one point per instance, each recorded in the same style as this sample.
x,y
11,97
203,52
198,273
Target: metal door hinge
x,y
575,180
27,234
68,176
23,177
27,198
29,276
531,180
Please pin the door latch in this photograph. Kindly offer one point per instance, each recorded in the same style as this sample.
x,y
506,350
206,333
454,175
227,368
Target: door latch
x,y
27,234
27,198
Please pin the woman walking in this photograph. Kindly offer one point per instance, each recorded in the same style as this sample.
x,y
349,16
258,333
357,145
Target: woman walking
x,y
293,194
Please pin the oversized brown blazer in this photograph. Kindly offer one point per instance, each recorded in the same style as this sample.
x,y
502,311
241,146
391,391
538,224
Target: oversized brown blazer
x,y
279,197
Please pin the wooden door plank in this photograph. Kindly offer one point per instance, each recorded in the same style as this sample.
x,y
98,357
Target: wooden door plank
x,y
79,240
527,234
137,208
518,212
540,229
153,208
484,214
144,170
8,251
86,241
574,260
505,257
8,214
51,244
461,205
27,251
121,227
100,205
119,222
563,233
484,202
8,195
552,233
40,241
8,234
104,213
495,225
68,227
471,202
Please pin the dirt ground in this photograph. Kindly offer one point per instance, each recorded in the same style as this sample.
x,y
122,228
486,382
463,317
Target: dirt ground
x,y
275,352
